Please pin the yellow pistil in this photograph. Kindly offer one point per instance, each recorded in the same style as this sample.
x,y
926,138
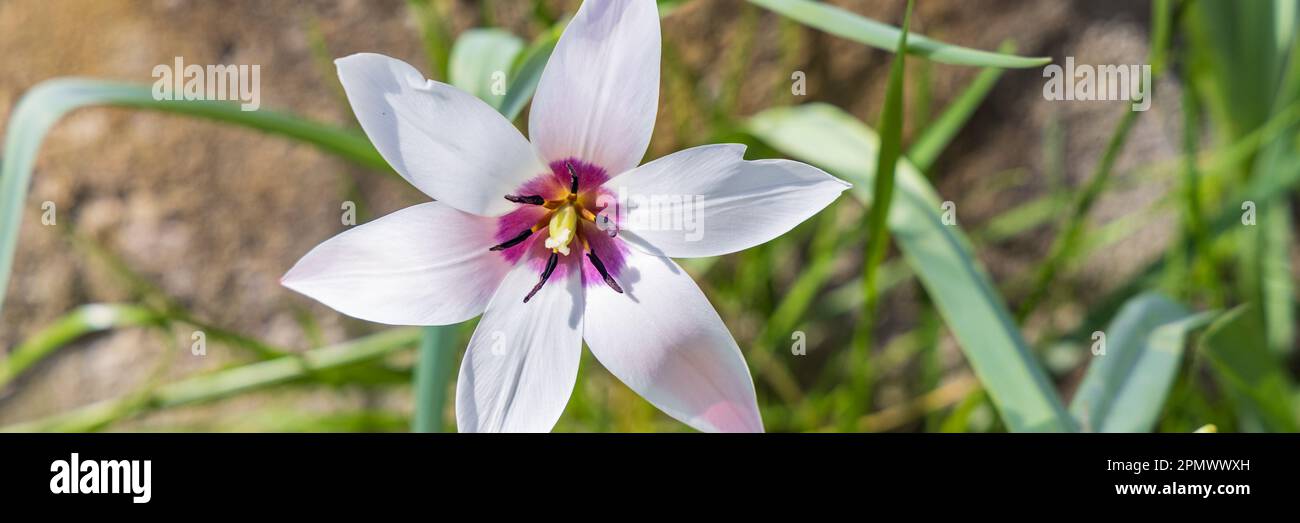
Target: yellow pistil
x,y
563,228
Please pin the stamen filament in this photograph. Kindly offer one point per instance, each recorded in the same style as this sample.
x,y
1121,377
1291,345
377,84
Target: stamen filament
x,y
515,241
546,275
526,200
573,176
600,267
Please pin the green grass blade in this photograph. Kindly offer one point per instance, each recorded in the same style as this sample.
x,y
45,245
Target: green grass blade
x,y
1125,388
846,24
1162,21
1067,239
1238,351
478,57
225,383
434,33
926,148
796,302
1200,256
891,147
1277,289
85,320
940,254
433,371
46,103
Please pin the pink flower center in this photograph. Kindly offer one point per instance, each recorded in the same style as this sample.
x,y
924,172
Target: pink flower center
x,y
565,223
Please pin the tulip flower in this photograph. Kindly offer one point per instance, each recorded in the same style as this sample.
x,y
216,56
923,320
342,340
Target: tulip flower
x,y
561,237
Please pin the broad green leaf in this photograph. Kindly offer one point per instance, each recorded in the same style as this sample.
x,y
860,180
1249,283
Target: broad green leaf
x,y
480,63
1253,376
42,107
1246,60
434,370
527,72
434,32
1266,254
846,24
1239,47
940,254
1266,274
1125,387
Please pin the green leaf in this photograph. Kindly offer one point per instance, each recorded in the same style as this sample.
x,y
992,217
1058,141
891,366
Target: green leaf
x,y
666,7
926,148
434,369
1277,284
1125,387
42,107
846,24
1245,60
1266,253
1254,378
216,385
940,254
480,61
434,32
795,303
1266,271
1240,48
87,319
527,72
1068,240
891,148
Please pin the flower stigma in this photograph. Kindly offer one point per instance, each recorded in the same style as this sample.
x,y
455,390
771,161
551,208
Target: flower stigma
x,y
563,227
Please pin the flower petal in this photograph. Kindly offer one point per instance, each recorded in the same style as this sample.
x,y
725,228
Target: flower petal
x,y
423,265
599,93
522,361
447,143
709,201
666,342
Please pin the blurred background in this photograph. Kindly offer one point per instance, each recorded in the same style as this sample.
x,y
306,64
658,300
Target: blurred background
x,y
1077,210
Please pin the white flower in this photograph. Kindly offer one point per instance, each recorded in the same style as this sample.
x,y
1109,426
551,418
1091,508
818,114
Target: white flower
x,y
514,232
